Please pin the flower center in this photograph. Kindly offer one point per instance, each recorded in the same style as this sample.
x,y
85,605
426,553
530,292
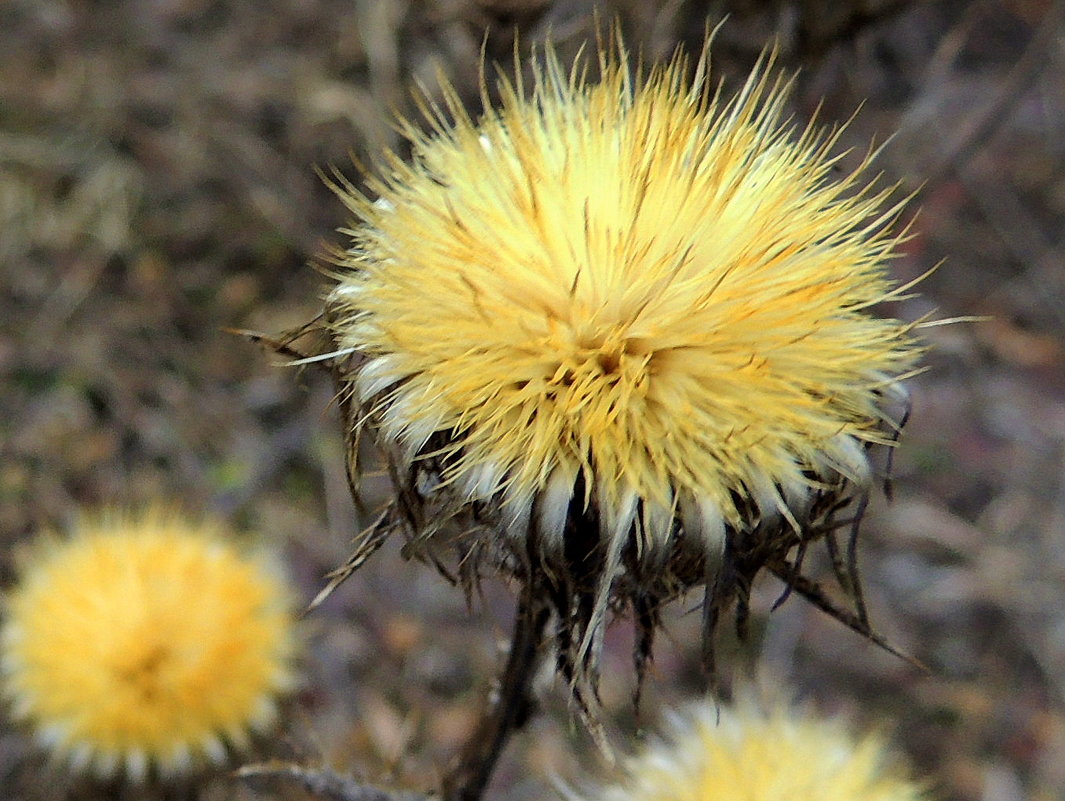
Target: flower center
x,y
142,672
595,367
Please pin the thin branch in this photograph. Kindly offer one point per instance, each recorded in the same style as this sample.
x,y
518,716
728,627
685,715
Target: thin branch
x,y
323,783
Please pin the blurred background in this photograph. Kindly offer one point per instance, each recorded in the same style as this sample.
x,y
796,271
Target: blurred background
x,y
158,185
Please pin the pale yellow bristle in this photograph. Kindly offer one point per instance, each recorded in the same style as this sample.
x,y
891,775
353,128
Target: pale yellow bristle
x,y
142,642
629,282
714,753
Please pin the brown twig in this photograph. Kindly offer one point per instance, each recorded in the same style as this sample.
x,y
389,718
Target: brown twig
x,y
324,783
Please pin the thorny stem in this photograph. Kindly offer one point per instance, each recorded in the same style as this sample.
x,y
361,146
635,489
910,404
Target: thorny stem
x,y
323,783
509,709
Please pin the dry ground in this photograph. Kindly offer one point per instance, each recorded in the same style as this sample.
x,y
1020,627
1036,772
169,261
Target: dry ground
x,y
157,184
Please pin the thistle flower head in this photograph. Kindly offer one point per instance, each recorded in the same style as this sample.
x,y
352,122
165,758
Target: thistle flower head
x,y
722,754
145,644
622,333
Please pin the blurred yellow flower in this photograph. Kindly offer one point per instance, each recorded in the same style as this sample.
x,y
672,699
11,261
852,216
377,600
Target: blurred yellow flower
x,y
622,334
713,753
145,643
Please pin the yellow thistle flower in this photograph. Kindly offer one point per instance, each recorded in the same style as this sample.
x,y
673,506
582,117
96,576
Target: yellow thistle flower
x,y
716,753
622,334
145,643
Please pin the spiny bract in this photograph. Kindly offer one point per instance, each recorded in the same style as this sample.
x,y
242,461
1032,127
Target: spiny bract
x,y
144,644
620,326
712,753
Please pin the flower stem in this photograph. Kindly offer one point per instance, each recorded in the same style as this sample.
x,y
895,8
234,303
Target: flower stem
x,y
509,710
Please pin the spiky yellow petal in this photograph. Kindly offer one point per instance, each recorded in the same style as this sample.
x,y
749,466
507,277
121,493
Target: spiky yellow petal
x,y
627,283
146,643
625,330
712,753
